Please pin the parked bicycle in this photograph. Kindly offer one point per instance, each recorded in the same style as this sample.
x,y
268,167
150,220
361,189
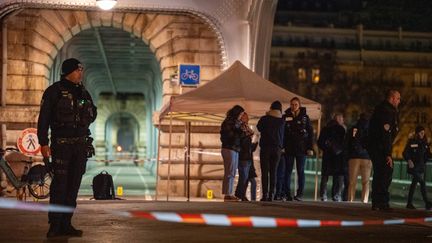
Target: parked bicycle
x,y
23,172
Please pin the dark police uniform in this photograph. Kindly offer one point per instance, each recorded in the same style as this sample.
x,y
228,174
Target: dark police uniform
x,y
68,110
383,128
417,150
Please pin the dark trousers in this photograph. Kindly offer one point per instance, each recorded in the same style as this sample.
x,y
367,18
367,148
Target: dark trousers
x,y
69,164
280,182
382,178
345,185
269,160
243,168
417,178
337,187
300,163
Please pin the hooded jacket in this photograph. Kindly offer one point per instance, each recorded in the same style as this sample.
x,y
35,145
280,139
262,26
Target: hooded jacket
x,y
272,126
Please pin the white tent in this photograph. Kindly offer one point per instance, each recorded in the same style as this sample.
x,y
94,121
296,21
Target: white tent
x,y
237,85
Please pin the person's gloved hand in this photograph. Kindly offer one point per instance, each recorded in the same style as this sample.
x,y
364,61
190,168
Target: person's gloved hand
x,y
90,150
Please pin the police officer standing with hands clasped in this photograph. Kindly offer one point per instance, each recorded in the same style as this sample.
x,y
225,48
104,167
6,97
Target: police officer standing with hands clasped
x,y
383,128
68,110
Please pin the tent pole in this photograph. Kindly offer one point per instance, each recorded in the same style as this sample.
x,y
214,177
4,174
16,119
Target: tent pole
x,y
188,158
158,160
295,176
185,161
169,158
316,162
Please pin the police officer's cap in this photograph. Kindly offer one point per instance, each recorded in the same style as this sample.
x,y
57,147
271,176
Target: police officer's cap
x,y
70,65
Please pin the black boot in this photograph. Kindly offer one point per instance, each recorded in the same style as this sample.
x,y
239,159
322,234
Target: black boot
x,y
410,206
428,205
69,230
55,230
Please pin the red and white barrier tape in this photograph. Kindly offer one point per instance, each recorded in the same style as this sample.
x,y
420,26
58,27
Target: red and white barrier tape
x,y
28,206
218,219
264,222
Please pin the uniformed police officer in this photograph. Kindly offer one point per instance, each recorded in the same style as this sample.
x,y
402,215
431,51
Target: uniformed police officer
x,y
68,110
383,128
417,153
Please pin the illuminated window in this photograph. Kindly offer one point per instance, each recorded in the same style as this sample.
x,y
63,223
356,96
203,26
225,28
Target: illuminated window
x,y
315,75
301,73
424,79
420,79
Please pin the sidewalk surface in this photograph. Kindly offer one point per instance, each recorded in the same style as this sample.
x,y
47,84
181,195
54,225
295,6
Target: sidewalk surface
x,y
100,223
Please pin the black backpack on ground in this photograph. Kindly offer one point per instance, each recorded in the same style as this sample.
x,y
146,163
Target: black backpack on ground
x,y
103,186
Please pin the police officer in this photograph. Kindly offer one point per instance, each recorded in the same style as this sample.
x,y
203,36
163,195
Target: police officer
x,y
68,110
417,153
383,128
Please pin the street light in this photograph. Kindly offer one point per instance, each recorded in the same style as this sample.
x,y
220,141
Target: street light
x,y
106,4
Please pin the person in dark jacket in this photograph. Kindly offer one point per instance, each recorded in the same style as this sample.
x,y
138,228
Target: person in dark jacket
x,y
67,109
271,127
383,128
230,136
298,141
331,142
358,158
245,157
416,153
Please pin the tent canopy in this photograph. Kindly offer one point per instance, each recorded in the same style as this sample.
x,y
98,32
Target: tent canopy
x,y
235,86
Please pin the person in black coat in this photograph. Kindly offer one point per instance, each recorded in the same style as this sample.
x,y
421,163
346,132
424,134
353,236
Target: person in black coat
x,y
331,142
230,136
416,153
383,128
271,127
245,157
358,158
298,139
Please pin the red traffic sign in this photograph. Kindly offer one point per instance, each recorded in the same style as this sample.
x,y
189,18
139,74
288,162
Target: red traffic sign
x,y
28,142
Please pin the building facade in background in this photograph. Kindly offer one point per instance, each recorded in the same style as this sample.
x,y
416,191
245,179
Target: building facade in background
x,y
346,54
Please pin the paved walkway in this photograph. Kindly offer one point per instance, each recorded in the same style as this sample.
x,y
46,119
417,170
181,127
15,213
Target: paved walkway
x,y
101,224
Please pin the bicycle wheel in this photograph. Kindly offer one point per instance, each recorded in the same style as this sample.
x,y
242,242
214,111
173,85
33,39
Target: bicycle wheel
x,y
40,189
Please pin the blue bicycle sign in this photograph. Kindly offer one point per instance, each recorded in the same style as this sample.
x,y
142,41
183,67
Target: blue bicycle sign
x,y
189,74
